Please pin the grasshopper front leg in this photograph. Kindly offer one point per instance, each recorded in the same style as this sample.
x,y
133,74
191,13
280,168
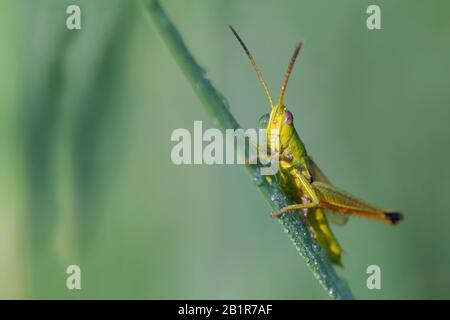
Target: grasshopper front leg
x,y
308,192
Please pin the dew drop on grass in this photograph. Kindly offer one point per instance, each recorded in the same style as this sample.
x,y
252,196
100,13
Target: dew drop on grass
x,y
315,246
222,98
263,121
205,75
225,103
258,179
277,197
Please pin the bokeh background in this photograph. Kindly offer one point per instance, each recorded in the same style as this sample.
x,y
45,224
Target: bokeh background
x,y
85,170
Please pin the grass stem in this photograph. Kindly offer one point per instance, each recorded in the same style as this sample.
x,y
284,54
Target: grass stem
x,y
216,104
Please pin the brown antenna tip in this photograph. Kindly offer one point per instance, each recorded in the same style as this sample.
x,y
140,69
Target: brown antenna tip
x,y
288,72
258,72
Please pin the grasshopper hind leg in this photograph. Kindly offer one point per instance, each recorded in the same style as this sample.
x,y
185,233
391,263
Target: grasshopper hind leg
x,y
394,217
315,218
336,199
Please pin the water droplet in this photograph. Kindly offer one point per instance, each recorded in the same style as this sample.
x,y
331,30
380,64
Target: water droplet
x,y
225,103
263,121
203,73
222,98
315,246
277,197
258,179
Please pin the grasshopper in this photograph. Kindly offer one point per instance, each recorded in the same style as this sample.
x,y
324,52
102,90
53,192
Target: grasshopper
x,y
303,181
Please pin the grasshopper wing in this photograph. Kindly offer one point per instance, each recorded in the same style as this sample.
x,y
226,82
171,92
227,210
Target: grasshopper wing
x,y
318,175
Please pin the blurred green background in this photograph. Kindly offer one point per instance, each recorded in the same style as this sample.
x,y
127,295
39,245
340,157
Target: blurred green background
x,y
85,170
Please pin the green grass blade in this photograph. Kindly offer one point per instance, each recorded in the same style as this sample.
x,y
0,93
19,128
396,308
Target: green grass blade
x,y
216,104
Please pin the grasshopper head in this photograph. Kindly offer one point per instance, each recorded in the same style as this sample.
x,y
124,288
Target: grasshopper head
x,y
281,119
281,123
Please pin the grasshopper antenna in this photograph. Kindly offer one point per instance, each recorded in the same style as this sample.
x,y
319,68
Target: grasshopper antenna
x,y
288,73
258,72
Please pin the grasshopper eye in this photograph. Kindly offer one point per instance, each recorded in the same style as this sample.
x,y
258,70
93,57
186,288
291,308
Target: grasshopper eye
x,y
288,117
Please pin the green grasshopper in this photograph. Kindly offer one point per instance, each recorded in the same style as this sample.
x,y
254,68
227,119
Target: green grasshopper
x,y
303,181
